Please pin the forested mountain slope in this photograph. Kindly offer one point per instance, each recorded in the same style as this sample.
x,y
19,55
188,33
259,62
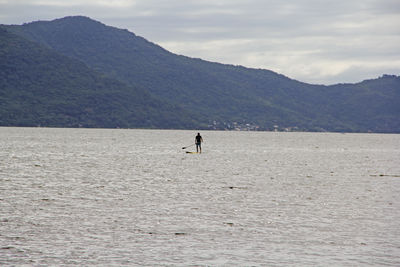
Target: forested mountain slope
x,y
221,96
39,87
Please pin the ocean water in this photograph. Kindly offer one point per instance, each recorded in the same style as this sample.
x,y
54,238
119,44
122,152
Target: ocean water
x,y
96,197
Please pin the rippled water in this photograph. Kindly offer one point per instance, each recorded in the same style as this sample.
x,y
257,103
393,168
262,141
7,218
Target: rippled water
x,y
133,197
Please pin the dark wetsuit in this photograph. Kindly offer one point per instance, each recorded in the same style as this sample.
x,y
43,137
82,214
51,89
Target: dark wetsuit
x,y
198,140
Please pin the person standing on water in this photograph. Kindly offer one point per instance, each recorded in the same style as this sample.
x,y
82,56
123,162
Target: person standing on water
x,y
198,140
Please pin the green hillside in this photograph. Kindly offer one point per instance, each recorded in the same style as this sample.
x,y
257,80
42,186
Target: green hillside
x,y
39,87
221,96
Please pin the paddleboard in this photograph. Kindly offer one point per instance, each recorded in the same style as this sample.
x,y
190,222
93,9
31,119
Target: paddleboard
x,y
188,152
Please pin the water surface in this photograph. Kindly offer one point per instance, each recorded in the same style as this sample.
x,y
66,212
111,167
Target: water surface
x,y
133,197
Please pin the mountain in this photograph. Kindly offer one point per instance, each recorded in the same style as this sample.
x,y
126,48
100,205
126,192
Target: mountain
x,y
40,87
222,96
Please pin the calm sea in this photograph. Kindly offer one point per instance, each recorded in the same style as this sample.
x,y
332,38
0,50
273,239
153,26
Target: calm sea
x,y
84,197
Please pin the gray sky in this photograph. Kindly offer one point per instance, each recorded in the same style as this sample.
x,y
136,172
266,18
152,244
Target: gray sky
x,y
314,41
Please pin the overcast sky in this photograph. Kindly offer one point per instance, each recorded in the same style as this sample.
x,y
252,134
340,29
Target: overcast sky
x,y
314,41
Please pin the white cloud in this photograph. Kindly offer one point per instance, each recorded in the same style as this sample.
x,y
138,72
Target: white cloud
x,y
64,3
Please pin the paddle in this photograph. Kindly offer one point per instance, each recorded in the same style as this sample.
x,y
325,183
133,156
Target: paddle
x,y
187,146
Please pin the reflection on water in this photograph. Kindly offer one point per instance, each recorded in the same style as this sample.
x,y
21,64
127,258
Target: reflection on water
x,y
133,197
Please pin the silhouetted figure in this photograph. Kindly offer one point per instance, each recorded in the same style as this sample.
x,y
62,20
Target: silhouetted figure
x,y
198,140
